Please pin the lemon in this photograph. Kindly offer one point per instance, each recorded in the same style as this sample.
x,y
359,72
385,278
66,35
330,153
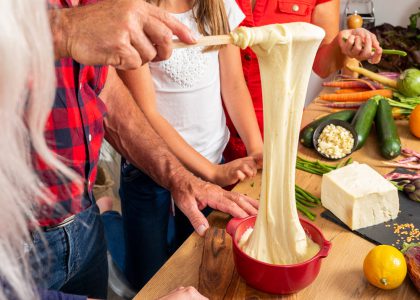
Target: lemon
x,y
385,267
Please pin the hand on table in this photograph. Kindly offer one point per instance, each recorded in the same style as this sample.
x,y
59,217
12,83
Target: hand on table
x,y
181,293
234,171
192,194
359,44
121,33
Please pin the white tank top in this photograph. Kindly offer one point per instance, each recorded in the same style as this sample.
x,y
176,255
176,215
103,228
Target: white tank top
x,y
188,92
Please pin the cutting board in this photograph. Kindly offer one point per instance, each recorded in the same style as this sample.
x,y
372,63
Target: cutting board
x,y
388,233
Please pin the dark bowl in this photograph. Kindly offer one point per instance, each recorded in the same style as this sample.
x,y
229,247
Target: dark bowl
x,y
344,124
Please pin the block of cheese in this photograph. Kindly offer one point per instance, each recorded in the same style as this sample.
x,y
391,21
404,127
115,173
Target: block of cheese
x,y
359,196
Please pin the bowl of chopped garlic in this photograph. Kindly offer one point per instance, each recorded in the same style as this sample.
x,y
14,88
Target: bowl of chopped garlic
x,y
276,279
334,139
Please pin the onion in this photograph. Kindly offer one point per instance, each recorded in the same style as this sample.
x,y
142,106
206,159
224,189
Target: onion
x,y
409,83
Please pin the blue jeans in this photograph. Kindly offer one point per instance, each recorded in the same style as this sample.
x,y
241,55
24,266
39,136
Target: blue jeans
x,y
72,258
151,232
114,235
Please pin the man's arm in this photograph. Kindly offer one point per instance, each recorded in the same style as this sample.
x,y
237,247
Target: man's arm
x,y
121,33
128,130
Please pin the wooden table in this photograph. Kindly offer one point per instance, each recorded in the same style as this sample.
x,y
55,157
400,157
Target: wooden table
x,y
341,275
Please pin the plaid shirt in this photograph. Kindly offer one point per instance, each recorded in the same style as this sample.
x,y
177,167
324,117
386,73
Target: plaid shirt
x,y
74,131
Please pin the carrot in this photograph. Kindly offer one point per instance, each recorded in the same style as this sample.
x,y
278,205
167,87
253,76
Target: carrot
x,y
341,105
356,97
347,91
374,76
346,83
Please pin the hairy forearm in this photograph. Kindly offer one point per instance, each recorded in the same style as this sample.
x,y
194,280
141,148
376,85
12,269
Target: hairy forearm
x,y
129,132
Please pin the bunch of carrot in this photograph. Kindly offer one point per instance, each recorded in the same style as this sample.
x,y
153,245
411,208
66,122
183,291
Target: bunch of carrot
x,y
354,90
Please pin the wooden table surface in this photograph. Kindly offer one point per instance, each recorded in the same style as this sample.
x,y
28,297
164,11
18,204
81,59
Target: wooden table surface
x,y
341,275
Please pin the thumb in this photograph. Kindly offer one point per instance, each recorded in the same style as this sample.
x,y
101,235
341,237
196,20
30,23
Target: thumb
x,y
197,219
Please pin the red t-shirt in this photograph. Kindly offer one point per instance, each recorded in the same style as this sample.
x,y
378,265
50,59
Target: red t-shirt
x,y
265,12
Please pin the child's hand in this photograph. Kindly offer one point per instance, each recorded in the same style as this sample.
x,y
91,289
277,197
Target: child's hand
x,y
232,172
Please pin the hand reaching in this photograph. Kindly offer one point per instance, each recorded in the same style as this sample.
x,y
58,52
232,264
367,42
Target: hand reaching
x,y
359,43
121,33
191,195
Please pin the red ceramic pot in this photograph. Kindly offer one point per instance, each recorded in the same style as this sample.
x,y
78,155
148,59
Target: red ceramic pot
x,y
276,279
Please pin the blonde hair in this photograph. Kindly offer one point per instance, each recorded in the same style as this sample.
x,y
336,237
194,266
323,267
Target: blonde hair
x,y
210,16
27,87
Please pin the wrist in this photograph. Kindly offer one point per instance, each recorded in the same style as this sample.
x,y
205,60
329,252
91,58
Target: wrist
x,y
212,175
175,177
59,30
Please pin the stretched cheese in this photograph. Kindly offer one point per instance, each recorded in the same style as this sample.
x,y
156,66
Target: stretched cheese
x,y
285,55
359,196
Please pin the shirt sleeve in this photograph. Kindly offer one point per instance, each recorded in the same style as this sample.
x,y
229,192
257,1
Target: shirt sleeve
x,y
234,14
54,295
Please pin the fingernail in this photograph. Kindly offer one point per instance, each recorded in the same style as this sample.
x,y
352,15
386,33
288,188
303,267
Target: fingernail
x,y
201,229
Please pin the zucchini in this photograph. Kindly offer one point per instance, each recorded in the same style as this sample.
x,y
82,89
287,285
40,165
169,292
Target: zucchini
x,y
389,141
363,120
307,133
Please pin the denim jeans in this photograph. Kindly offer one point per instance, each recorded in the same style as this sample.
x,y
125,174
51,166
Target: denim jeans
x,y
114,235
72,258
151,231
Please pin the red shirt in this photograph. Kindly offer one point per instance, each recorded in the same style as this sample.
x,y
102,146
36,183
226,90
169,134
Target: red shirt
x,y
74,131
265,12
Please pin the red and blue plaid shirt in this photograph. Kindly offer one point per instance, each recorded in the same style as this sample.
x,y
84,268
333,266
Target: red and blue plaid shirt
x,y
74,131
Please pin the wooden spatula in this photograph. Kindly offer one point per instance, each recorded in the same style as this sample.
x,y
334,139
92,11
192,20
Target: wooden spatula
x,y
211,40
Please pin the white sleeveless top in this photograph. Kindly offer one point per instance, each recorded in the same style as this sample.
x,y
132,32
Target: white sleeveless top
x,y
188,91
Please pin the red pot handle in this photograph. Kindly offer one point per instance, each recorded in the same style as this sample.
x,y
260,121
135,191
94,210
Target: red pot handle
x,y
233,225
325,249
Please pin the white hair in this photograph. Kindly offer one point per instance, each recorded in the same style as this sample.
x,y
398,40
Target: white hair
x,y
27,87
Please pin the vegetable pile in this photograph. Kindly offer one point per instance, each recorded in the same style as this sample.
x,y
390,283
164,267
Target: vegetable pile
x,y
401,91
377,110
407,39
409,183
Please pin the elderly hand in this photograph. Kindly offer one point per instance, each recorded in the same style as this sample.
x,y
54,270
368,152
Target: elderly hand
x,y
192,195
121,33
181,293
359,44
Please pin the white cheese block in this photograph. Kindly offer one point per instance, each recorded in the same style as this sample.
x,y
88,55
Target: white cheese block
x,y
359,196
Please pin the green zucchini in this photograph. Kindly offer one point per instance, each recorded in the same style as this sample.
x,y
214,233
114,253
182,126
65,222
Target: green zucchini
x,y
307,133
363,120
389,141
